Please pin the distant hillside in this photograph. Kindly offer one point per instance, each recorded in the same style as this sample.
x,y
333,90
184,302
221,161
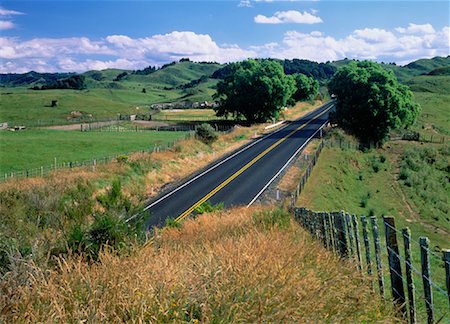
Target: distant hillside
x,y
404,73
430,83
31,79
441,71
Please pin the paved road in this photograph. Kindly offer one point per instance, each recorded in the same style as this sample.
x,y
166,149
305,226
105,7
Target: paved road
x,y
241,177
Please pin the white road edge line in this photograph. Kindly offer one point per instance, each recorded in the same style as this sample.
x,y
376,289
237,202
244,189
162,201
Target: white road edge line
x,y
215,166
285,165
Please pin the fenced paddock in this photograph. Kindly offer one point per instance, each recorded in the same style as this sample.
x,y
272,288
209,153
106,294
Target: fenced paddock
x,y
419,278
58,165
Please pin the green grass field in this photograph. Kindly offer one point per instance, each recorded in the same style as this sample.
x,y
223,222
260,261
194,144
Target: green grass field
x,y
186,115
35,148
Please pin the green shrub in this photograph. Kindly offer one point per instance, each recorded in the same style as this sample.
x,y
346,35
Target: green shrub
x,y
122,158
206,207
107,229
206,133
172,223
113,199
268,219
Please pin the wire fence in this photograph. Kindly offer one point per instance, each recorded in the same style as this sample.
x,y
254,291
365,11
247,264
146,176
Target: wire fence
x,y
426,299
419,278
58,165
158,128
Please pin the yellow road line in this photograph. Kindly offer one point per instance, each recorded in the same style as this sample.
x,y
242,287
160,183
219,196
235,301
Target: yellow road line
x,y
245,167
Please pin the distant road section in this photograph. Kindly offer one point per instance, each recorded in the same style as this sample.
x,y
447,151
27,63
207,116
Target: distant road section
x,y
240,178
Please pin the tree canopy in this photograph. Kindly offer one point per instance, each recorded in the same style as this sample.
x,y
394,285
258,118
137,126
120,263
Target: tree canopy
x,y
255,90
370,101
307,87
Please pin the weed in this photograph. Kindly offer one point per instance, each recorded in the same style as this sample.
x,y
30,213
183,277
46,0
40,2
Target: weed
x,y
268,219
207,207
363,202
172,223
122,158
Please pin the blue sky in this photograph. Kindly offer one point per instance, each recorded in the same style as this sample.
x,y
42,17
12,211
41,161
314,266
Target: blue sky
x,y
82,35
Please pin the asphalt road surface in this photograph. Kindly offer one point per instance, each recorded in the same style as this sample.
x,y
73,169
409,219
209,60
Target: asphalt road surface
x,y
241,177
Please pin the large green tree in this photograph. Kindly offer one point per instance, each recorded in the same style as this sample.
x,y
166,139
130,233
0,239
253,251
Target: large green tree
x,y
307,87
255,90
370,101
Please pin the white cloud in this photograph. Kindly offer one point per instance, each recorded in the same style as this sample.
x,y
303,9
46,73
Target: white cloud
x,y
416,29
6,24
288,17
245,3
6,12
121,51
369,43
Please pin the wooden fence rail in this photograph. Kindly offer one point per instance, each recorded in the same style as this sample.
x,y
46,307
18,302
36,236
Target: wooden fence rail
x,y
339,232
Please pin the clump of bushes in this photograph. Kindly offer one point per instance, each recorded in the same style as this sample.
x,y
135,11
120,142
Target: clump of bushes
x,y
206,133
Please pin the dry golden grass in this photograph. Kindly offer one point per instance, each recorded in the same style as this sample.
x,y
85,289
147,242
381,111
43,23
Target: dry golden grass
x,y
226,267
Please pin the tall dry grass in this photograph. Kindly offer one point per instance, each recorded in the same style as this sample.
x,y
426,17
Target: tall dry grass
x,y
245,265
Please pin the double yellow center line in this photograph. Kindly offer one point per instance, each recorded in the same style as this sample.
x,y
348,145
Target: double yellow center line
x,y
245,167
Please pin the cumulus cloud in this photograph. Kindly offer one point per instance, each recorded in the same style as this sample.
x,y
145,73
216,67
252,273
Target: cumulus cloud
x,y
416,29
401,45
245,3
288,17
120,51
6,12
369,43
6,24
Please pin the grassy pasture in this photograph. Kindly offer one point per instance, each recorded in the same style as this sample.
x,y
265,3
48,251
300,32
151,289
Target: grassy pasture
x,y
35,148
186,115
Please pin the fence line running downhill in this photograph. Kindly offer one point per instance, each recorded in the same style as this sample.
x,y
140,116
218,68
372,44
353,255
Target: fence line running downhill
x,y
340,233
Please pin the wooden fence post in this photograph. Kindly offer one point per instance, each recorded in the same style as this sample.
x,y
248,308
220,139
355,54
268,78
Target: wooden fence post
x,y
324,230
366,244
342,234
376,239
326,220
395,269
409,275
348,223
357,245
425,261
447,271
331,231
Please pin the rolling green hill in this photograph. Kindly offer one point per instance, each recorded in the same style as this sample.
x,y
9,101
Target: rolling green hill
x,y
404,73
115,91
103,97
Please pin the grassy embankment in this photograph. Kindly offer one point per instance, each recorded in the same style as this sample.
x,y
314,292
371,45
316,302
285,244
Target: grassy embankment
x,y
407,180
248,265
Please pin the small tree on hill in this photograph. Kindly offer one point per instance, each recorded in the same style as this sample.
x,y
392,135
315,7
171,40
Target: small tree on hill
x,y
255,90
370,101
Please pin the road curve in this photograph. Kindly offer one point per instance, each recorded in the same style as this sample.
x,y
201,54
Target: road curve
x,y
241,177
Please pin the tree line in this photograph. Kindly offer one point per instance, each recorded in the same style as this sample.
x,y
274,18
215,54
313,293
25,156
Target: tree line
x,y
370,100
